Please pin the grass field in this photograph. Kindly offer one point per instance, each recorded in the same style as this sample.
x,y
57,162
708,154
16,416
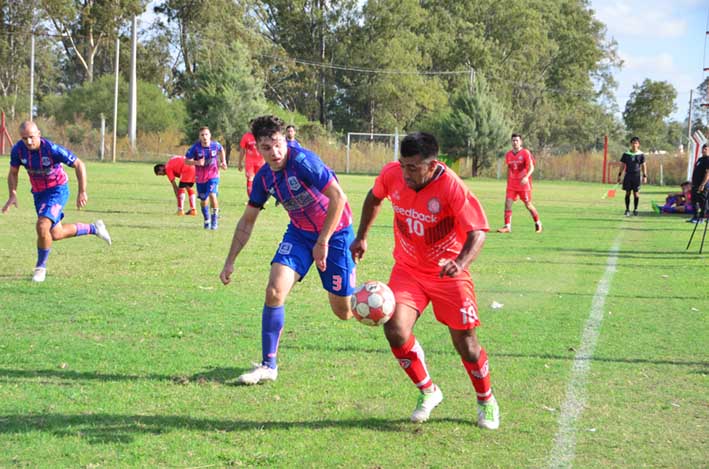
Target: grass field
x,y
127,356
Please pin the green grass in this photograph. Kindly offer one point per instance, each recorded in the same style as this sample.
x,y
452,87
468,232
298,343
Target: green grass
x,y
127,356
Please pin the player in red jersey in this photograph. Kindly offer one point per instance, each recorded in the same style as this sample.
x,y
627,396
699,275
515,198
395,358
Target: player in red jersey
x,y
439,229
520,166
176,168
250,160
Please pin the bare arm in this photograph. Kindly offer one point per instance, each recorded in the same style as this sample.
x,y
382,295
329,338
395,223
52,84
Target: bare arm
x,y
370,209
525,180
240,162
81,197
620,173
337,200
644,168
11,188
242,233
470,251
222,154
175,187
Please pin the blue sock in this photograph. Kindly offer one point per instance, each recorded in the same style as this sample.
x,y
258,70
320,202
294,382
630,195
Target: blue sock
x,y
42,255
205,213
272,321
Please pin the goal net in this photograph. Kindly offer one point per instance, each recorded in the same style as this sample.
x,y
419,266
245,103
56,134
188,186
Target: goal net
x,y
367,153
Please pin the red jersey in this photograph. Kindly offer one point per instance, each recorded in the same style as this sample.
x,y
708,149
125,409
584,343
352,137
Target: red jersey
x,y
430,225
518,165
248,143
176,168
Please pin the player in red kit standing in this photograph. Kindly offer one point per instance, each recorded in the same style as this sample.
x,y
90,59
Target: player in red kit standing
x,y
250,160
520,166
439,230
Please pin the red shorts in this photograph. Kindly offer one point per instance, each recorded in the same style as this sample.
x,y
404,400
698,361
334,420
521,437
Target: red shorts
x,y
453,298
251,167
524,196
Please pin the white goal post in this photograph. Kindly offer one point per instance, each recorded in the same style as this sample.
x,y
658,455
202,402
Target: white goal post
x,y
395,136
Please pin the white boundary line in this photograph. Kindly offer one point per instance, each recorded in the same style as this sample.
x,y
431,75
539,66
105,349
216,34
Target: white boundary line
x,y
563,452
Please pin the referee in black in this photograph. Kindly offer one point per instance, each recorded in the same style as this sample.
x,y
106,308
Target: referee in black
x,y
633,161
700,190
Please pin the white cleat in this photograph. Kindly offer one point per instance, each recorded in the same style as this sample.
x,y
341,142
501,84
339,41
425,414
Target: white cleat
x,y
258,374
102,232
39,274
489,414
426,403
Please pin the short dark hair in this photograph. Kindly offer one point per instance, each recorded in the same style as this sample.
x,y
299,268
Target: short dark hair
x,y
419,143
290,126
705,145
635,139
204,127
267,126
516,135
158,167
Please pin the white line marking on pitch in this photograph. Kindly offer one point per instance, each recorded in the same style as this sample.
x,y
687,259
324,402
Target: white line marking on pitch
x,y
563,453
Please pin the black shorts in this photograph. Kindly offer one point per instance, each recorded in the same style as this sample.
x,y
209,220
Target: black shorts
x,y
185,184
631,182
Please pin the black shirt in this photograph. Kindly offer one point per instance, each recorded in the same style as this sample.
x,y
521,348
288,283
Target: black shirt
x,y
632,162
700,171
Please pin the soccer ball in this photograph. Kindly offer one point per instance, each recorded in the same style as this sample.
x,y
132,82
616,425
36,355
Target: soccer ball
x,y
373,303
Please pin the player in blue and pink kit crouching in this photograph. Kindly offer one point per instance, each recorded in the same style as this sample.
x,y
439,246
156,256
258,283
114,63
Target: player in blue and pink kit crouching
x,y
43,161
320,231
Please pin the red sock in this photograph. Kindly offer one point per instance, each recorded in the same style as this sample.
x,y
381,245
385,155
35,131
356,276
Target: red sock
x,y
190,195
249,185
480,376
412,360
508,217
535,215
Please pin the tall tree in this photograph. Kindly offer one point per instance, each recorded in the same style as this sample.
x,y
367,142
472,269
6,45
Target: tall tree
x,y
307,31
18,20
224,94
86,26
649,105
476,126
394,91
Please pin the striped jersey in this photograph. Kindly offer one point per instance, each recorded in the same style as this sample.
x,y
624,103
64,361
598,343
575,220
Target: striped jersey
x,y
299,188
44,165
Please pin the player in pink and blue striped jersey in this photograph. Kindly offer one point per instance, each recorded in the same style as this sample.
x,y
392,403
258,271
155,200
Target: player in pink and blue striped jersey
x,y
207,157
43,161
320,231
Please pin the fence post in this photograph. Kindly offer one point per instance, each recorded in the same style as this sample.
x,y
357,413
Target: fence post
x,y
103,137
347,158
605,159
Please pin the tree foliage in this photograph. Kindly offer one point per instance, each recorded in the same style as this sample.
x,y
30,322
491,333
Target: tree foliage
x,y
650,103
155,114
475,127
85,27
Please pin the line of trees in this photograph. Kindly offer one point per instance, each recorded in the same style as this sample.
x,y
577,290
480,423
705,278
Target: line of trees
x,y
472,70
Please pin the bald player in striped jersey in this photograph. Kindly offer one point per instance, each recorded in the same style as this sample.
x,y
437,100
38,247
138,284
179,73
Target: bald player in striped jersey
x,y
43,161
439,230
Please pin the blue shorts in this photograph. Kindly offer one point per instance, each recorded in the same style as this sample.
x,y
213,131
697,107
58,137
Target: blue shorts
x,y
206,188
296,252
50,203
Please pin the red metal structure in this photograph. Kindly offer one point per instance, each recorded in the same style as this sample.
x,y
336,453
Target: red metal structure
x,y
4,134
605,159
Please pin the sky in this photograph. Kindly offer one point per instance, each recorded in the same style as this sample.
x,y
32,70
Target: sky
x,y
662,40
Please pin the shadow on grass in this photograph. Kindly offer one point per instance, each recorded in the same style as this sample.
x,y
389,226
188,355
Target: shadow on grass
x,y
110,428
212,375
